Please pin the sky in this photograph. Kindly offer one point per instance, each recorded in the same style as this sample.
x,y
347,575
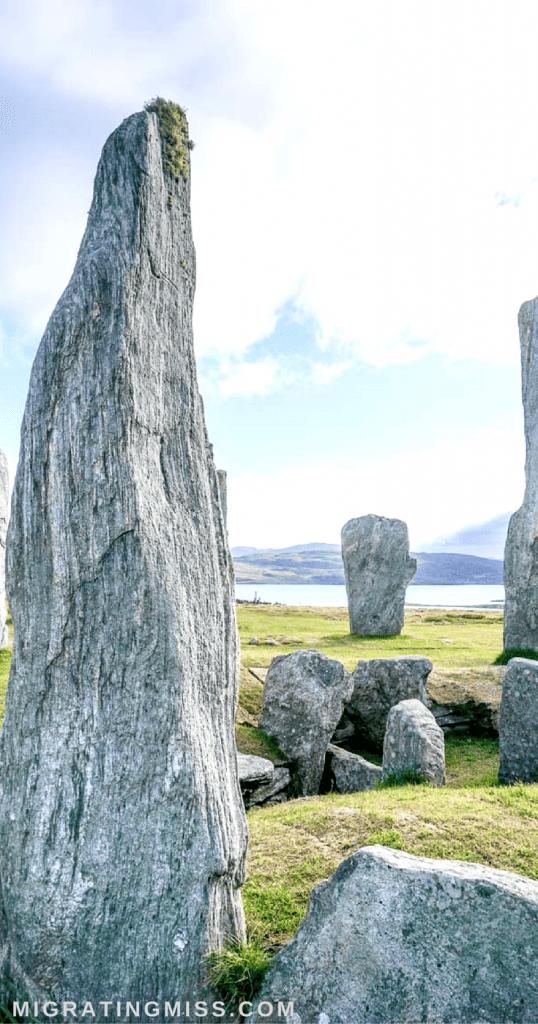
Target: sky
x,y
365,216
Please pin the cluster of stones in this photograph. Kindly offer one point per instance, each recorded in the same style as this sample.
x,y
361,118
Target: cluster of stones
x,y
311,704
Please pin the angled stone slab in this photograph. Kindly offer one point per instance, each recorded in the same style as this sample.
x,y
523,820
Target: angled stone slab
x,y
394,939
303,701
351,772
122,828
379,684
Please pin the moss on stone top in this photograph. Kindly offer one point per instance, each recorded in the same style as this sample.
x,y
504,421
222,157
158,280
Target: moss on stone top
x,y
175,135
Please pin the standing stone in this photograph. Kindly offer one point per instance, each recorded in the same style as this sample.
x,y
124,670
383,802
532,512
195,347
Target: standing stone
x,y
377,569
391,938
303,700
4,505
414,741
518,723
379,684
221,474
521,549
122,829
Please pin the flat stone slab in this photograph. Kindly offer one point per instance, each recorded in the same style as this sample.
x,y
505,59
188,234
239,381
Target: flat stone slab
x,y
254,770
391,938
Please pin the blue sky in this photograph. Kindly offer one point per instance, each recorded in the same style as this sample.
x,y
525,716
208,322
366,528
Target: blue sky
x,y
365,215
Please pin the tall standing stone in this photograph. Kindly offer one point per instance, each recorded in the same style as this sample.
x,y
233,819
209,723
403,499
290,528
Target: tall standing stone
x,y
377,569
4,506
122,829
521,550
518,723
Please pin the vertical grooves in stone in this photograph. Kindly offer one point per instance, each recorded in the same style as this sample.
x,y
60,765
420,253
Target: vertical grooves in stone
x,y
117,756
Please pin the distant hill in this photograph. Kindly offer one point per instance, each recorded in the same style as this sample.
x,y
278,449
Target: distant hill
x,y
322,563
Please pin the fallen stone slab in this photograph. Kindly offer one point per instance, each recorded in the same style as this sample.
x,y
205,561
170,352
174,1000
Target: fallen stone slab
x,y
391,938
377,569
380,683
254,770
350,772
414,741
303,700
518,723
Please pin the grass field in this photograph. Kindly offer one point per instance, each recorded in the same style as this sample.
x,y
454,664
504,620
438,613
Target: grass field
x,y
474,637
294,845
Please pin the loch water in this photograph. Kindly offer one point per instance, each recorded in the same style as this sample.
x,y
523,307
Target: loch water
x,y
469,595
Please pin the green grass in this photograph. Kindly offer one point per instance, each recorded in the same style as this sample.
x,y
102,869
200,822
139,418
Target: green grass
x,y
476,636
515,652
237,970
175,134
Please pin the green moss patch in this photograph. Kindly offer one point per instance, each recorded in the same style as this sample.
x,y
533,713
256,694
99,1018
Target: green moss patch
x,y
175,135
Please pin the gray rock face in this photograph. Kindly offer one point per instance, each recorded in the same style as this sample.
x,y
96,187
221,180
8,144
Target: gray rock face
x,y
122,828
377,570
414,740
4,505
518,722
351,773
381,683
303,700
223,493
398,939
260,780
521,550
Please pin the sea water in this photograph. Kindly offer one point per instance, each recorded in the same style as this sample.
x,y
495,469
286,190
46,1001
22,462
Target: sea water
x,y
468,595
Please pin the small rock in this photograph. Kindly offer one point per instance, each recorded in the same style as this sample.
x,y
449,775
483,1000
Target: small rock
x,y
253,769
351,773
253,640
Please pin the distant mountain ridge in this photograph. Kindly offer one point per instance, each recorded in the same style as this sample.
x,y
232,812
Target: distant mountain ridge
x,y
322,563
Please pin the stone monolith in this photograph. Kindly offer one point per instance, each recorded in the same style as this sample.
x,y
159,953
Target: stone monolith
x,y
122,828
377,569
521,549
4,507
391,938
518,723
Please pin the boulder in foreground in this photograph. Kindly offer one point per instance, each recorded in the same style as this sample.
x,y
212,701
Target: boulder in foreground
x,y
394,939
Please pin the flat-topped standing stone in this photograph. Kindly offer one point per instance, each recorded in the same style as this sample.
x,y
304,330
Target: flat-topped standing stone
x,y
377,569
521,549
518,723
122,828
4,505
303,700
391,938
414,741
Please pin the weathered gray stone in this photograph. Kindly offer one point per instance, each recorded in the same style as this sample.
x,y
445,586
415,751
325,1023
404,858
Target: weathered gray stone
x,y
350,772
518,723
303,700
223,494
521,549
4,506
377,570
254,770
381,683
122,828
344,730
413,740
398,939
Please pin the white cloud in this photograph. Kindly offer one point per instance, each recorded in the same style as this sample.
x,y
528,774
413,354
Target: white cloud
x,y
250,378
434,489
324,373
